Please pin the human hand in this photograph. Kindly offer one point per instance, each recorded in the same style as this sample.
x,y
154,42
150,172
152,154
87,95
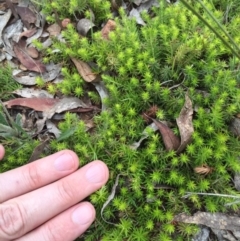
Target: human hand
x,y
38,201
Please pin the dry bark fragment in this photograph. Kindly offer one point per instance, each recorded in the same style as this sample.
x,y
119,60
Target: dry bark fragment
x,y
212,220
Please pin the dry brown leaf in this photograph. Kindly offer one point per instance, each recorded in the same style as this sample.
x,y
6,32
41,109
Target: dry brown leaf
x,y
28,33
48,106
171,141
25,59
85,71
185,125
13,8
38,104
32,52
26,15
38,150
109,26
203,170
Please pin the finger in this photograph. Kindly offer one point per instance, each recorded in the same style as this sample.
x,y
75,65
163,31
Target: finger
x,y
23,214
2,152
66,226
37,174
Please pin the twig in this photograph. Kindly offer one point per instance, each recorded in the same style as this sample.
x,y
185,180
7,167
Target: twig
x,y
210,194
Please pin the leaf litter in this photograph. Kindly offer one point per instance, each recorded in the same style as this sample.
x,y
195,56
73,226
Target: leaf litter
x,y
11,38
48,106
185,125
212,220
170,140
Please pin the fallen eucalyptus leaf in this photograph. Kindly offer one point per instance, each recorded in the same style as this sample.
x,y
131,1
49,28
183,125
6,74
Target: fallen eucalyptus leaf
x,y
13,8
171,141
37,152
51,127
185,125
40,123
85,71
25,59
52,72
146,5
26,15
8,34
136,15
102,91
32,93
3,22
84,25
32,52
48,106
27,33
39,31
25,80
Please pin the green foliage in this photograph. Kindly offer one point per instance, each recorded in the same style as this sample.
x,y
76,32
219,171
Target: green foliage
x,y
7,83
154,65
15,140
59,9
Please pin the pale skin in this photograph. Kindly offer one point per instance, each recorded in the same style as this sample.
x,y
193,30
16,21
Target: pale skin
x,y
40,201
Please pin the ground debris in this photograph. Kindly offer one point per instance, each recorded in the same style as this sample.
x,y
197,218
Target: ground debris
x,y
185,125
213,220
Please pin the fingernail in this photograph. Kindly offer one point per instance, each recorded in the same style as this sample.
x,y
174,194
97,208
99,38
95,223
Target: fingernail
x,y
82,215
95,173
64,162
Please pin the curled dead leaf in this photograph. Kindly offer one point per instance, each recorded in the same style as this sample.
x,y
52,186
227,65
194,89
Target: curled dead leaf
x,y
185,125
84,25
203,170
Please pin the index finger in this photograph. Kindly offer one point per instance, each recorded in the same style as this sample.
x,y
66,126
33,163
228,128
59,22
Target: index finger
x,y
37,174
2,152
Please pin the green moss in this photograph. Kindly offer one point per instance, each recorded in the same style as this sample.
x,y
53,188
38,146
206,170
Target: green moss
x,y
141,67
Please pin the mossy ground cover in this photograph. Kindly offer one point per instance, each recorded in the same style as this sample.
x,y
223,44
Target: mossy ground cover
x,y
145,68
